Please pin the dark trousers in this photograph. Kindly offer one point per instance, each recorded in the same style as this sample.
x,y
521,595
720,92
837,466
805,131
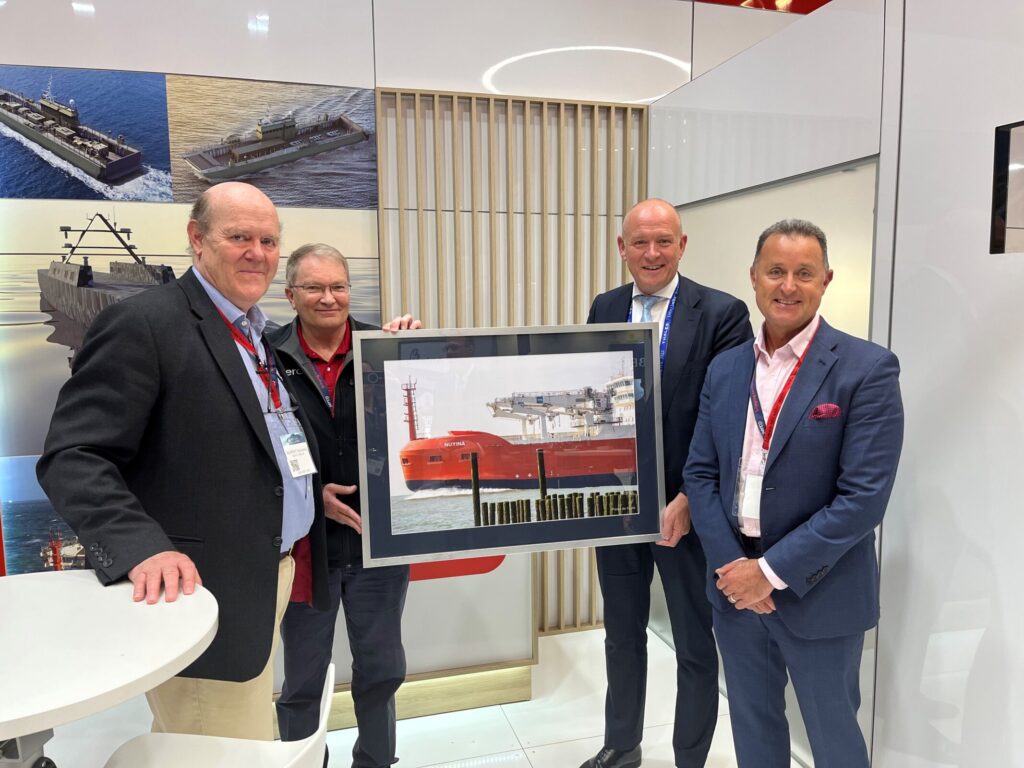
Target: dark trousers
x,y
626,572
372,599
757,651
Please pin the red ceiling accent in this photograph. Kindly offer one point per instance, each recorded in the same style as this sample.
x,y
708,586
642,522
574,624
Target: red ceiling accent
x,y
792,6
445,569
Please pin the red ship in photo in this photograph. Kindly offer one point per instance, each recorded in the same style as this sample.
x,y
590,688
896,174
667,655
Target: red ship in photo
x,y
598,449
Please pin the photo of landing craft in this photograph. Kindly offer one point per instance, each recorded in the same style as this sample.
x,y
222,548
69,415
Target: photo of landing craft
x,y
79,292
275,141
55,126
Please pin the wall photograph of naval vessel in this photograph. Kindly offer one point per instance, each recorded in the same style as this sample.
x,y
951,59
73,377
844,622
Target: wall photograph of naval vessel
x,y
307,146
83,134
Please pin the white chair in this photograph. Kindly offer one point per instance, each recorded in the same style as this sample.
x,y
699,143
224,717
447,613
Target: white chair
x,y
179,750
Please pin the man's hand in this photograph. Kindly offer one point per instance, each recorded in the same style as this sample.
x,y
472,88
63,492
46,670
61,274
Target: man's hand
x,y
339,511
164,569
403,323
764,607
675,521
743,583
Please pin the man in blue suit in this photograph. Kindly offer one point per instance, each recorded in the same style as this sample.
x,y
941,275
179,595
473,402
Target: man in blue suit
x,y
695,323
790,469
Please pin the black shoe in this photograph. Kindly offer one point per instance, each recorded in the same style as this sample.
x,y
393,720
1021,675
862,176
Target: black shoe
x,y
613,758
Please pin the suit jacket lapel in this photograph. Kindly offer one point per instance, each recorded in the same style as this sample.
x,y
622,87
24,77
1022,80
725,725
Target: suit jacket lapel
x,y
819,361
738,402
225,353
681,337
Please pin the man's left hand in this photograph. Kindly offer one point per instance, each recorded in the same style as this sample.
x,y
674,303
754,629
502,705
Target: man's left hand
x,y
403,323
743,583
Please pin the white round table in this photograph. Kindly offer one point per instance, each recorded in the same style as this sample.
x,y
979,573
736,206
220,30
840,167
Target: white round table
x,y
70,647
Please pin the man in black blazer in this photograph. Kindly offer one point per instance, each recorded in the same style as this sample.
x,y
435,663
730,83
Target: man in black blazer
x,y
167,456
695,324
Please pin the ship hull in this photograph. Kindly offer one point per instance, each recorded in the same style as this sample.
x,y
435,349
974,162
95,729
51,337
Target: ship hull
x,y
249,167
443,462
116,171
60,287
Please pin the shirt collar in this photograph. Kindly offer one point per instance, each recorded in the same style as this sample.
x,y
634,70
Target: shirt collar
x,y
796,346
257,320
312,354
665,293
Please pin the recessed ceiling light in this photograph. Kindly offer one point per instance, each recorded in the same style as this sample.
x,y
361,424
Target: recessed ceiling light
x,y
83,9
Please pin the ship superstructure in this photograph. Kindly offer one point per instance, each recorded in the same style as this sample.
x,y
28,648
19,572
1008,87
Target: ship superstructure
x,y
274,142
55,126
81,293
597,448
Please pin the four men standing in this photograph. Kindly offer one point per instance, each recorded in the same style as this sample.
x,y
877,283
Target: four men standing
x,y
183,449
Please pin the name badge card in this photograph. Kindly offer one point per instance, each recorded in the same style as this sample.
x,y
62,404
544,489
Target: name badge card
x,y
296,452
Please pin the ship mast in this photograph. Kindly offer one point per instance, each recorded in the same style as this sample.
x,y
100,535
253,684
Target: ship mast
x,y
409,394
121,234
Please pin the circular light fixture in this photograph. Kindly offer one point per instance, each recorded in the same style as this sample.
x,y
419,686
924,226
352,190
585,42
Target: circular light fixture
x,y
488,77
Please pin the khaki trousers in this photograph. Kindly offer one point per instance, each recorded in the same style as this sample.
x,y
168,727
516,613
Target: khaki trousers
x,y
219,708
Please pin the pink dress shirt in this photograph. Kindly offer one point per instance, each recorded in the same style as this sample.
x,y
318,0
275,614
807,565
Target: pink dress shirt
x,y
771,372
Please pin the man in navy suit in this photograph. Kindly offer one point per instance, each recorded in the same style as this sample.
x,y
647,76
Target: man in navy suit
x,y
695,323
790,470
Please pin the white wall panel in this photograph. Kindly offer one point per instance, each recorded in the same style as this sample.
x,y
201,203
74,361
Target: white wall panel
x,y
303,41
722,31
950,684
803,99
448,45
723,233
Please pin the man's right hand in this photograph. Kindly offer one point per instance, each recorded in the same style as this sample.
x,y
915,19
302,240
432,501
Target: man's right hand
x,y
164,569
339,511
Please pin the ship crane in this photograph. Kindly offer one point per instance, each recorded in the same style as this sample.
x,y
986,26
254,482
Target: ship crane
x,y
585,407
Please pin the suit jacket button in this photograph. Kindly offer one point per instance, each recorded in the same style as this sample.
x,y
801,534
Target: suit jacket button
x,y
93,547
279,491
108,562
276,541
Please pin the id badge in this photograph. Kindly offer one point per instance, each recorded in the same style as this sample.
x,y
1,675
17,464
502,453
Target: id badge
x,y
750,503
296,453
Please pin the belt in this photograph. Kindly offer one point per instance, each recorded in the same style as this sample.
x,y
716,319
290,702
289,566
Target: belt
x,y
751,544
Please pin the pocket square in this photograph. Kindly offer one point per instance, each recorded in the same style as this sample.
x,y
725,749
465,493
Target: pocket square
x,y
826,411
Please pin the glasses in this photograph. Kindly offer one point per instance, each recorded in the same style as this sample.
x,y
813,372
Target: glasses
x,y
338,289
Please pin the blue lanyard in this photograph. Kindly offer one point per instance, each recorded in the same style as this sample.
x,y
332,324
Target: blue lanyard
x,y
667,325
322,384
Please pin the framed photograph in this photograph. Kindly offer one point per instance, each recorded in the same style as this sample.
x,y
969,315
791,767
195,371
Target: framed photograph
x,y
487,441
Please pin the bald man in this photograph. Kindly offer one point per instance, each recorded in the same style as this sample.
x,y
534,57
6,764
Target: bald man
x,y
176,455
695,323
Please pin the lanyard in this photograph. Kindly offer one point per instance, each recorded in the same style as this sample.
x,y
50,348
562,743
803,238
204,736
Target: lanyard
x,y
755,401
267,375
667,325
321,382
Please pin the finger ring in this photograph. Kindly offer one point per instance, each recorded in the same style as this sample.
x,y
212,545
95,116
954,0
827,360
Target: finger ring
x,y
731,599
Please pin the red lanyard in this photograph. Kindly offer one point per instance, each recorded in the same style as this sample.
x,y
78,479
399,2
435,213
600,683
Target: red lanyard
x,y
755,401
266,374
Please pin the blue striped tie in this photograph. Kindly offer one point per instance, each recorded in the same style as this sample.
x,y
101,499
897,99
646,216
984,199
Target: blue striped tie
x,y
647,302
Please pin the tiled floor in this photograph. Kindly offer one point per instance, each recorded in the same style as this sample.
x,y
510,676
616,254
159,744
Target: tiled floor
x,y
559,728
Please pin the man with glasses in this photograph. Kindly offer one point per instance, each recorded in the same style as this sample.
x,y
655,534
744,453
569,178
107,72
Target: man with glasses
x,y
176,454
316,352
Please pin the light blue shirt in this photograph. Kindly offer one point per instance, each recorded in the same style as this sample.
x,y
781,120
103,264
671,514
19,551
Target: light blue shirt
x,y
297,507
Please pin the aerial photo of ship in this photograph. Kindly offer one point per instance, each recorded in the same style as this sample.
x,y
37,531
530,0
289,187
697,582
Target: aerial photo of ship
x,y
56,126
597,449
79,134
273,143
77,291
